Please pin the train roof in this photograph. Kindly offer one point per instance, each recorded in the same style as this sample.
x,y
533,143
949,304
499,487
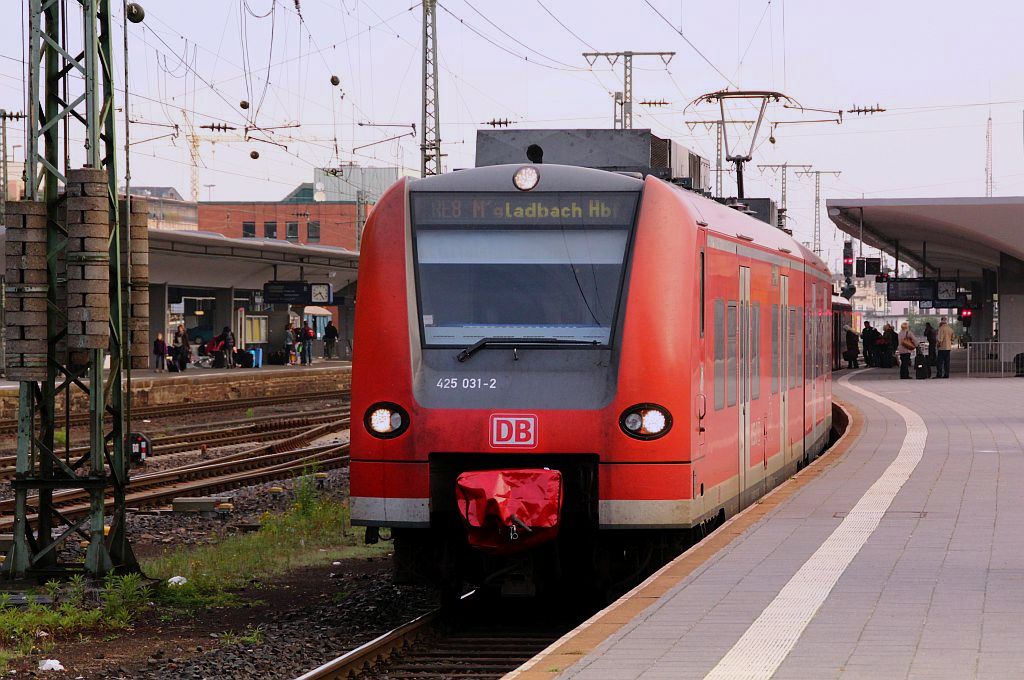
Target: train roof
x,y
841,302
732,223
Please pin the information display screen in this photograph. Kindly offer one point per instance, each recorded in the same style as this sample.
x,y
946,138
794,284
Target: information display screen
x,y
287,292
911,290
529,209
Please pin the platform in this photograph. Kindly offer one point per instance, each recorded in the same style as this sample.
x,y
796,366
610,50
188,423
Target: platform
x,y
898,555
215,384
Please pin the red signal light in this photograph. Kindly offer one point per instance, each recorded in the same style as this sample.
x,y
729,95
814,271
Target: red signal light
x,y
967,313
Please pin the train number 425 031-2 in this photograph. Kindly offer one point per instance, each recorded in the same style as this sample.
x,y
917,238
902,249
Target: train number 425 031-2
x,y
467,383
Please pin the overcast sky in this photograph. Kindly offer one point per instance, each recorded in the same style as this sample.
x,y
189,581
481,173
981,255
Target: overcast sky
x,y
934,66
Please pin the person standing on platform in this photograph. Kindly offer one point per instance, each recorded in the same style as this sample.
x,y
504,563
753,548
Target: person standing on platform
x,y
182,348
160,352
944,339
888,347
868,337
852,345
307,335
929,334
289,345
905,350
229,347
330,339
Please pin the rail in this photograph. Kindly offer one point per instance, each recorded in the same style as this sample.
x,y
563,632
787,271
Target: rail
x,y
995,359
279,460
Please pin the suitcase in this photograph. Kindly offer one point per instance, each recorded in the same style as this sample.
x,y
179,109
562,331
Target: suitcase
x,y
243,359
172,365
1018,365
922,371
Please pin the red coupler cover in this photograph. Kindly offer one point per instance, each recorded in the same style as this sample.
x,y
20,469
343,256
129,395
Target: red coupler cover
x,y
507,511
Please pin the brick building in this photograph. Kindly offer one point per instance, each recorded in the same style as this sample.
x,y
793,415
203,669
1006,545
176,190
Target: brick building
x,y
297,218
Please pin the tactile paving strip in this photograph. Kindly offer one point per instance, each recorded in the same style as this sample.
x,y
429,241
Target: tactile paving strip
x,y
765,645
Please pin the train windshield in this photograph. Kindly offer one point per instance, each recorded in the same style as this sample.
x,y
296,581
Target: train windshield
x,y
544,265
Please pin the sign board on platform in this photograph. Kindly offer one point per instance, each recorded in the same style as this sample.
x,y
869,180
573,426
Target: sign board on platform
x,y
298,293
910,290
286,292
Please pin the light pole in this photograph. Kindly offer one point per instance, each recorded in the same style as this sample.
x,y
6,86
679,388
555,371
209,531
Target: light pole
x,y
209,191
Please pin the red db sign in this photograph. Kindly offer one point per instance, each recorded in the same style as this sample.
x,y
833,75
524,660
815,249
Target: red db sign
x,y
518,431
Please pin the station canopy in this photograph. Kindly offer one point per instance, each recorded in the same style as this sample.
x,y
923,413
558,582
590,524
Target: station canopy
x,y
965,235
214,261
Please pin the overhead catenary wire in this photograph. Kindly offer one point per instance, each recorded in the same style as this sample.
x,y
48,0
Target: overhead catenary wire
x,y
505,48
690,43
516,40
569,30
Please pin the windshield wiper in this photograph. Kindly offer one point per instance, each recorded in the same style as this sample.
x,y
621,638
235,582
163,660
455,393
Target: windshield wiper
x,y
513,342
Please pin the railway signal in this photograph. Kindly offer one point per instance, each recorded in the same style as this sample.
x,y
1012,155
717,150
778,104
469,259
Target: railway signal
x,y
849,289
966,316
848,259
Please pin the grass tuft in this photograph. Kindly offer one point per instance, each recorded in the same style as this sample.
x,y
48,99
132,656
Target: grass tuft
x,y
311,532
38,627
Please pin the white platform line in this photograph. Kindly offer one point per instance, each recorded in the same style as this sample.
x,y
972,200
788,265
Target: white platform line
x,y
765,645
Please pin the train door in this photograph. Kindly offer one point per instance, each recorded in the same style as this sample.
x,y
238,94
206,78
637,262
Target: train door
x,y
811,374
705,314
783,367
743,359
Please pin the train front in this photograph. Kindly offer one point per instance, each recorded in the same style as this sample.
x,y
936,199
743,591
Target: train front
x,y
491,399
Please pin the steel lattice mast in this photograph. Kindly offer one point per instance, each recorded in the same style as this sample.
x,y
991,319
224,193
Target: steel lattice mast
x,y
430,147
816,242
40,467
627,76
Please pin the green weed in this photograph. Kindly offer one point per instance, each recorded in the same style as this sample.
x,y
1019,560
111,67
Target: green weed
x,y
307,534
251,637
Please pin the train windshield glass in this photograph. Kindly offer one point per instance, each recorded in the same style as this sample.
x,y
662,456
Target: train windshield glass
x,y
545,265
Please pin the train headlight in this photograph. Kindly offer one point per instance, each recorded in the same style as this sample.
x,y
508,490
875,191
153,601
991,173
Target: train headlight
x,y
526,178
645,421
386,420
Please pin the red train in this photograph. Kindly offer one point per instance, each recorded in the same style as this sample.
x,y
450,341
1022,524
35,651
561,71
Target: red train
x,y
562,372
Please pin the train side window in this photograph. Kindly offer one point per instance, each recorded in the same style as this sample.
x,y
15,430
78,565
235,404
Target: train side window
x,y
702,308
794,355
775,349
798,346
755,350
809,343
730,364
719,354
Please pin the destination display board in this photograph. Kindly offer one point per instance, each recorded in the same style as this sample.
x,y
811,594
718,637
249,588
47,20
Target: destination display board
x,y
286,292
298,293
959,303
910,290
476,209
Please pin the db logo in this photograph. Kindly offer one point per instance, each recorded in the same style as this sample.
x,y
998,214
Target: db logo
x,y
509,430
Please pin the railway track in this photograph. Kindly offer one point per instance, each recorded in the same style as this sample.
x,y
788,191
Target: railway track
x,y
465,642
278,460
10,427
245,431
